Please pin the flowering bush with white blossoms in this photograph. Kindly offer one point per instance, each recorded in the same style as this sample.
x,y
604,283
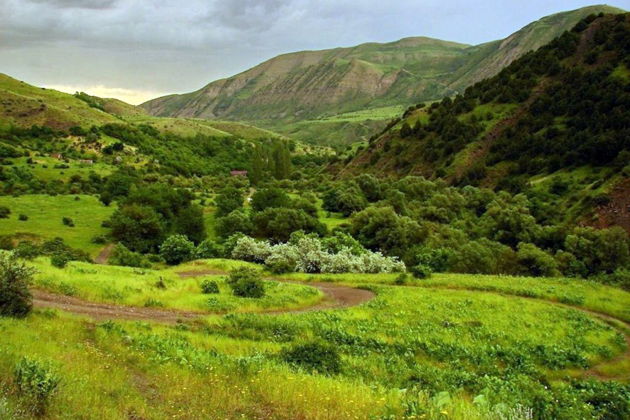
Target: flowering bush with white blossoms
x,y
252,250
307,254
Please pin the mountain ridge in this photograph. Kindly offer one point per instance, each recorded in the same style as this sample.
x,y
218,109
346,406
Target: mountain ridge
x,y
305,86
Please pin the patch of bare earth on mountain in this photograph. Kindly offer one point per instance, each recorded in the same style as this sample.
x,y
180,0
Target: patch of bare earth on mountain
x,y
485,144
617,211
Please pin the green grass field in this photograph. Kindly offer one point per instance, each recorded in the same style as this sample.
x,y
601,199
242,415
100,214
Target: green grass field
x,y
412,352
44,168
45,215
153,288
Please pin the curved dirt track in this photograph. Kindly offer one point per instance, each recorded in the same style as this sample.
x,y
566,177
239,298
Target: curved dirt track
x,y
335,297
105,311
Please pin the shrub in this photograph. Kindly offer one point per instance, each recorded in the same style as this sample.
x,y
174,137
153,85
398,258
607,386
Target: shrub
x,y
27,250
282,259
250,249
246,282
59,260
177,249
420,271
99,239
15,276
4,212
402,279
314,357
209,249
22,218
209,287
121,255
36,381
6,242
536,262
67,221
235,222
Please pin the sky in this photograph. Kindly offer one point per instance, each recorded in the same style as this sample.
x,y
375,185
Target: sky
x,y
135,50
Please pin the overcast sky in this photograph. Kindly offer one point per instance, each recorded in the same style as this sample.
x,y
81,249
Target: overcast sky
x,y
139,49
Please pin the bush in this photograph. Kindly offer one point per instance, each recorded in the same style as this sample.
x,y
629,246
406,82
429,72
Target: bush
x,y
67,222
37,382
420,271
99,239
314,357
22,218
27,250
121,255
4,212
536,262
15,298
209,287
6,242
402,279
246,282
177,249
282,259
236,222
250,249
209,249
59,260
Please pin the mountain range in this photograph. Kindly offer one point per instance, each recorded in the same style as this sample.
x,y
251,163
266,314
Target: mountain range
x,y
554,124
315,95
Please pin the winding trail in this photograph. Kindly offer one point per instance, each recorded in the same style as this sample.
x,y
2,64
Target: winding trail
x,y
104,254
335,297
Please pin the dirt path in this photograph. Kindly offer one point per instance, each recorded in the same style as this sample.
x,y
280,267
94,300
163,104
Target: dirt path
x,y
336,297
105,311
104,254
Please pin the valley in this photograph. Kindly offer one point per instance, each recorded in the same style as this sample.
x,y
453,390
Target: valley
x,y
414,230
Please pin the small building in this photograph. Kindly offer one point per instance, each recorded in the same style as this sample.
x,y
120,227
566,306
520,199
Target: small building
x,y
238,173
56,156
86,161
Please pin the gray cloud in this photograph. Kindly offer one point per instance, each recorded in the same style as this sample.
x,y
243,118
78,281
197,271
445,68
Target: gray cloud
x,y
78,4
180,45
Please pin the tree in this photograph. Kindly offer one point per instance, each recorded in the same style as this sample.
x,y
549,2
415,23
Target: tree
x,y
236,222
139,228
228,200
281,160
15,277
380,228
189,222
602,251
278,224
270,198
259,165
177,249
536,262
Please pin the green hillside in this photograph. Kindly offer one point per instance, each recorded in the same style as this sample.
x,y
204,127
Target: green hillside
x,y
299,93
554,120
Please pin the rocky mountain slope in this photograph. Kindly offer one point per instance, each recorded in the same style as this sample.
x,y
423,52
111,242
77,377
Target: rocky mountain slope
x,y
555,121
310,85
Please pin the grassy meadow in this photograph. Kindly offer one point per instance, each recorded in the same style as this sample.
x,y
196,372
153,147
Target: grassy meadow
x,y
45,214
450,347
165,288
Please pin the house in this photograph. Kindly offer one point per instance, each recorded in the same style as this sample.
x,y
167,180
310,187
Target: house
x,y
56,156
238,173
86,161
